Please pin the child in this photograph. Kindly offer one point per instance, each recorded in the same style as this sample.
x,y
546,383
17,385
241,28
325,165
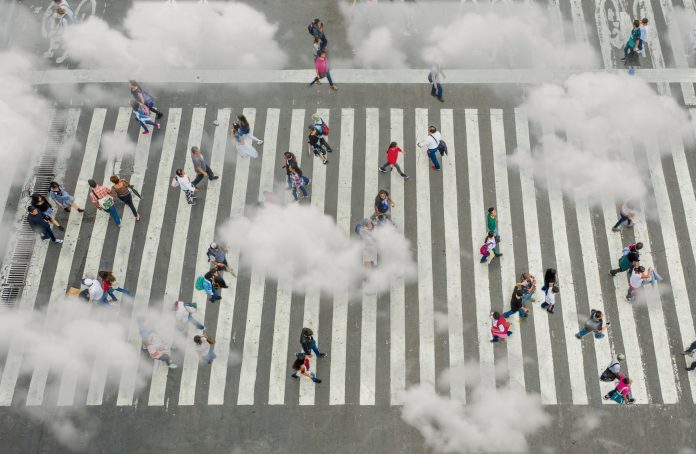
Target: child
x,y
499,327
142,118
550,302
488,246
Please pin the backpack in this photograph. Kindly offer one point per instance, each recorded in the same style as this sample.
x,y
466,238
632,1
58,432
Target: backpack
x,y
200,282
311,28
324,129
484,249
442,148
430,77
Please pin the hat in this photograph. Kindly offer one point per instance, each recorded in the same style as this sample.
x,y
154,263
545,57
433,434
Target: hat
x,y
316,117
213,245
621,357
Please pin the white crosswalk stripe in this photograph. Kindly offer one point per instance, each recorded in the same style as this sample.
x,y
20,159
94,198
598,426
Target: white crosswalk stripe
x,y
419,216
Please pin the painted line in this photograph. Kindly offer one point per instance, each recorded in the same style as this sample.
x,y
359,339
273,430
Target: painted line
x,y
547,381
312,297
477,211
368,325
579,25
507,266
567,304
67,252
97,383
654,45
339,326
13,363
281,324
218,370
675,41
355,76
453,271
155,218
397,297
426,328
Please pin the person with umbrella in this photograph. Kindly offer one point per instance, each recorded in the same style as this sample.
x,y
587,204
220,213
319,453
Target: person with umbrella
x,y
122,189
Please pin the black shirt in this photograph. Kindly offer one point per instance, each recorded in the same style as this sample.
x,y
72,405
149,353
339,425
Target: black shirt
x,y
633,256
37,222
382,204
515,302
45,206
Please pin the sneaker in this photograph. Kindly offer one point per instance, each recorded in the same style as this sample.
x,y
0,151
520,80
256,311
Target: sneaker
x,y
578,336
137,217
146,133
498,255
334,88
406,177
260,142
440,99
66,210
58,241
322,355
214,178
615,229
309,182
294,376
434,168
80,210
61,228
325,162
173,366
316,380
612,273
160,115
382,170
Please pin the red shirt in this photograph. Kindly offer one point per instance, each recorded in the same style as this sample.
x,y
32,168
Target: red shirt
x,y
393,155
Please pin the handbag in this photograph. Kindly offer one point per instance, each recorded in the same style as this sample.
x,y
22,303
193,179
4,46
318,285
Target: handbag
x,y
105,202
211,340
137,194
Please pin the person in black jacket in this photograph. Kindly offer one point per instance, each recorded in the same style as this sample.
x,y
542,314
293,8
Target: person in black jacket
x,y
38,224
309,344
550,280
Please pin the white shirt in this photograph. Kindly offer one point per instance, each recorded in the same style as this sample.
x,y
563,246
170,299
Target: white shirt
x,y
550,298
183,182
644,34
203,348
182,314
431,142
96,292
490,242
636,279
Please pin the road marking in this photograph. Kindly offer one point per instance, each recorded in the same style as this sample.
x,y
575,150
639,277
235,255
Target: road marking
x,y
141,298
547,381
67,251
507,266
339,325
579,25
426,328
13,363
676,44
281,325
455,319
397,297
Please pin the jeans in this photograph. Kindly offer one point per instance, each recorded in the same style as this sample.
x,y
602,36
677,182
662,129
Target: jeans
x,y
144,126
301,188
485,257
520,311
151,106
304,178
216,294
432,154
47,232
395,165
314,348
436,90
328,76
194,322
200,176
114,214
584,331
110,293
209,357
128,200
621,220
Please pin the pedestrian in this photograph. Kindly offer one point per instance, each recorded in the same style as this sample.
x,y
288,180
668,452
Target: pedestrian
x,y
626,262
383,205
62,18
594,324
184,315
156,347
308,343
489,245
107,281
143,98
316,29
633,40
201,167
517,305
321,67
364,229
204,348
46,210
392,158
210,285
639,277
298,181
142,117
500,327
38,224
434,79
690,351
302,366
528,285
644,34
122,189
627,215
95,290
432,144
241,129
218,259
613,370
632,247
492,223
622,393
315,146
550,279
62,198
550,300
289,160
100,196
322,131
182,181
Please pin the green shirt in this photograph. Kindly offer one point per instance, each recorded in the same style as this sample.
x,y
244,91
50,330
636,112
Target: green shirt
x,y
492,222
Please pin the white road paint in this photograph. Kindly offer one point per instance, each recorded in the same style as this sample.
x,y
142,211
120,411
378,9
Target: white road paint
x,y
579,25
676,41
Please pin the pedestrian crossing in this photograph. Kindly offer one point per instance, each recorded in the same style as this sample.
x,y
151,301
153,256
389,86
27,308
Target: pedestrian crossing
x,y
380,345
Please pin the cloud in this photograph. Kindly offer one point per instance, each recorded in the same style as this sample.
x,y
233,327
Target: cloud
x,y
113,145
458,35
181,35
450,426
303,243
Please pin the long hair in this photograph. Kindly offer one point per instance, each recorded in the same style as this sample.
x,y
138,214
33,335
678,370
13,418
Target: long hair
x,y
243,121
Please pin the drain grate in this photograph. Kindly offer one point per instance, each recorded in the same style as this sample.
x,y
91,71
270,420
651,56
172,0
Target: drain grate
x,y
16,265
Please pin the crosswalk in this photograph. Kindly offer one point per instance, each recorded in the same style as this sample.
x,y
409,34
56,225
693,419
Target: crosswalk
x,y
378,346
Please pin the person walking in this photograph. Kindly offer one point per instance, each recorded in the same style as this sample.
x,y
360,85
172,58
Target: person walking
x,y
308,343
218,259
204,348
500,327
184,315
435,83
621,394
626,262
613,370
528,285
432,143
122,189
142,117
290,160
95,290
297,180
101,197
492,223
38,224
594,324
639,277
322,131
517,305
316,29
211,285
182,181
383,205
315,146
633,40
632,247
241,129
107,281
156,348
550,300
321,67
392,158
489,245
201,167
62,198
46,210
550,279
301,366
644,35
627,215
143,98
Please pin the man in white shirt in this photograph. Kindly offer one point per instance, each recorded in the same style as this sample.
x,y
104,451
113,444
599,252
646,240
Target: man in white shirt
x,y
550,300
431,144
435,84
182,181
644,35
96,291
